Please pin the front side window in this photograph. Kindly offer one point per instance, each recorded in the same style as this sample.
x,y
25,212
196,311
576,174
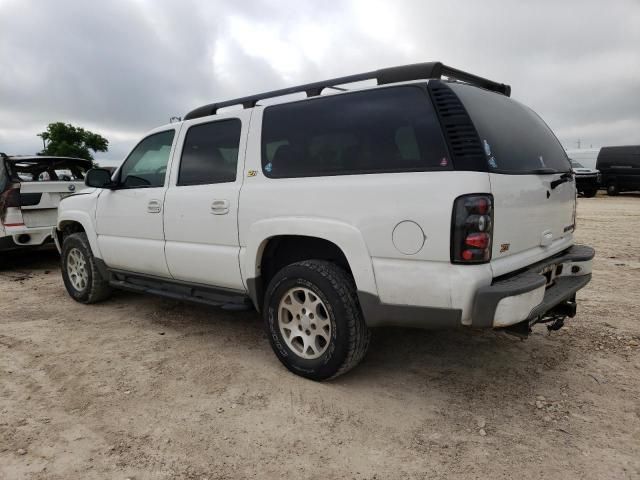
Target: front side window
x,y
146,166
385,130
210,153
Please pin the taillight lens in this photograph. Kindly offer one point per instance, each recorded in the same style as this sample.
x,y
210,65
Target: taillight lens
x,y
471,229
10,197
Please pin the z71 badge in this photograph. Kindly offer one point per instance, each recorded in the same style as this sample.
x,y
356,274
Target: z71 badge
x,y
504,247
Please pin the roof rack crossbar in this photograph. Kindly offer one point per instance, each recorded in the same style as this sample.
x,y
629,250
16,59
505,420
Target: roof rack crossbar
x,y
405,73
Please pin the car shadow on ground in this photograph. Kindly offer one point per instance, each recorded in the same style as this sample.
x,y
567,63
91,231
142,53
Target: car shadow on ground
x,y
30,259
461,361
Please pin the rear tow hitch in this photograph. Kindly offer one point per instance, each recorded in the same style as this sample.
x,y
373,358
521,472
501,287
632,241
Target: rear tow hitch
x,y
554,319
556,316
556,324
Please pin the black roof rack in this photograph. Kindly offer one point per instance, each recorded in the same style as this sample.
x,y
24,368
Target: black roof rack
x,y
405,73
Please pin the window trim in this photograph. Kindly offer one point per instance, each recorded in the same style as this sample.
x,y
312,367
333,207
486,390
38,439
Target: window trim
x,y
419,86
184,143
120,185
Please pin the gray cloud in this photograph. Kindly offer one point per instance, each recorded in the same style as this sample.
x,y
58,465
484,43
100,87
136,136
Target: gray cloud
x,y
123,67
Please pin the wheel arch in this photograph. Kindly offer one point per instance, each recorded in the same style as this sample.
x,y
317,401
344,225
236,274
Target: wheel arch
x,y
73,222
303,239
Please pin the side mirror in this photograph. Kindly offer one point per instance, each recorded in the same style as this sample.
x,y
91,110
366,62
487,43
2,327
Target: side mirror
x,y
98,178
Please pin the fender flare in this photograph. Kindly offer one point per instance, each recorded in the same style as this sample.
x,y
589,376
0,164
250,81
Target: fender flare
x,y
83,218
345,236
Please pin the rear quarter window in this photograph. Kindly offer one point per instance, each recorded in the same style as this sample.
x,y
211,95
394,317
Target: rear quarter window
x,y
378,131
515,139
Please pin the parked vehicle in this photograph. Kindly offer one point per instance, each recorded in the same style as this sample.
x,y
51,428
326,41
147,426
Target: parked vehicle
x,y
30,191
587,157
416,202
587,179
620,168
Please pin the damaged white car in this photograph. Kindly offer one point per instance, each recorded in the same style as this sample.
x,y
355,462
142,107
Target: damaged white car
x,y
31,188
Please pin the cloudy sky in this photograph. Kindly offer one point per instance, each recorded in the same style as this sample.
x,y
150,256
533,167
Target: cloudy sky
x,y
122,67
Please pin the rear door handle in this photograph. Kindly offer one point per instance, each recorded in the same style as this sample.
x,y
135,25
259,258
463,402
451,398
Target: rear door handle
x,y
154,206
220,207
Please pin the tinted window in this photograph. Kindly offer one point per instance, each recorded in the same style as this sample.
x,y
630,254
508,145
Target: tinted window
x,y
146,166
515,138
385,130
210,153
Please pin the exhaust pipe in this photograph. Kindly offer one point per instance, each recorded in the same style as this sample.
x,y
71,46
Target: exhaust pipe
x,y
24,238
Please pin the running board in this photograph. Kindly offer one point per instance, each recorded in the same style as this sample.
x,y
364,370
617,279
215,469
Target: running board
x,y
216,297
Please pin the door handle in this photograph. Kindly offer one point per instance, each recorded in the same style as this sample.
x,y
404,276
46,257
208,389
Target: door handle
x,y
154,206
220,207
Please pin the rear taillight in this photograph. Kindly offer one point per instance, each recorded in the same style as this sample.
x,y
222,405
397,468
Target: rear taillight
x,y
10,197
471,229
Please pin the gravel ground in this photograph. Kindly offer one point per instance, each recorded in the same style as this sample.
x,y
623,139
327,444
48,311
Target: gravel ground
x,y
141,387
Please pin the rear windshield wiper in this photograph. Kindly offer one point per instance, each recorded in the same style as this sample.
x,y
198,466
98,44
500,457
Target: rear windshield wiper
x,y
565,177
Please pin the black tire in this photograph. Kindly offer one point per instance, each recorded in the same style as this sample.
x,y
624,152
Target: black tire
x,y
97,287
612,190
349,337
590,192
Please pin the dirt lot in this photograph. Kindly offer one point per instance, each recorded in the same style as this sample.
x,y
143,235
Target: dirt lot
x,y
142,387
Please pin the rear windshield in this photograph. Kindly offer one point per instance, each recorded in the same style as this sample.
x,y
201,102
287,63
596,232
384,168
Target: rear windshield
x,y
48,170
515,139
384,130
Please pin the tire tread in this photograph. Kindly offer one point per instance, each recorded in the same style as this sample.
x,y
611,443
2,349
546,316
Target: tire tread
x,y
99,289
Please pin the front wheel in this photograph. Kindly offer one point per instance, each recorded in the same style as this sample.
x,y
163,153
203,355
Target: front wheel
x,y
313,319
80,273
590,192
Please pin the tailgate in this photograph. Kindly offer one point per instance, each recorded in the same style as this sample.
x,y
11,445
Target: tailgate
x,y
39,200
531,220
533,190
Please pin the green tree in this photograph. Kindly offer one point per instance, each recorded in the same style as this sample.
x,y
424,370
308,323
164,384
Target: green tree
x,y
64,140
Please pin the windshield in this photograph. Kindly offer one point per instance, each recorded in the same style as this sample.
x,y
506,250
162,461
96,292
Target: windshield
x,y
48,169
515,139
575,164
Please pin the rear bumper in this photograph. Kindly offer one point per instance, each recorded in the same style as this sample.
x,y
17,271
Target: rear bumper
x,y
526,296
24,236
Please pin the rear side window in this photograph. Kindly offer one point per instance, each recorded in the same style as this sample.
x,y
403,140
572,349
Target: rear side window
x,y
210,153
515,139
384,130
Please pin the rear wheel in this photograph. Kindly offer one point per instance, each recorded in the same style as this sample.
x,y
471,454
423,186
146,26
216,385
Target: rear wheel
x,y
612,189
80,273
590,192
313,319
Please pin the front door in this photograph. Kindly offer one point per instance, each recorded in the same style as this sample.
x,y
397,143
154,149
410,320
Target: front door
x,y
201,206
129,219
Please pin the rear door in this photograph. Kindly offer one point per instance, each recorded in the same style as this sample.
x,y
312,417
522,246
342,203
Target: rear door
x,y
531,182
201,206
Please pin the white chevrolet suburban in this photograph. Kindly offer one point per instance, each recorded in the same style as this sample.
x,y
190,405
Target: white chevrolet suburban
x,y
418,201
